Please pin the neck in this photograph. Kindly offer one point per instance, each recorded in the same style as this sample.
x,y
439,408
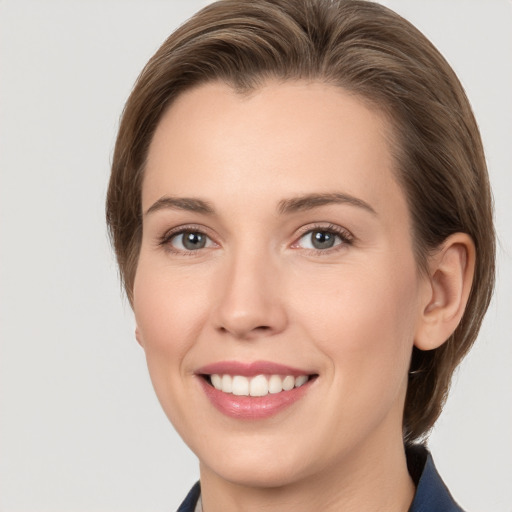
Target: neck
x,y
373,478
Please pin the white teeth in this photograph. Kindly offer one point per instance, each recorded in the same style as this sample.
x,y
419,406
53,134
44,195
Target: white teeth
x,y
240,385
275,384
227,384
217,381
288,383
260,385
299,381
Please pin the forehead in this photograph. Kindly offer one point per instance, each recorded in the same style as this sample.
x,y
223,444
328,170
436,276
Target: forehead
x,y
282,139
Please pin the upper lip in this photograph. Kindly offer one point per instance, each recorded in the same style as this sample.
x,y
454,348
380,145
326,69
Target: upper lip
x,y
251,369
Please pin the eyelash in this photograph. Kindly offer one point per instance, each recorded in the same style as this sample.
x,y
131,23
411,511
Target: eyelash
x,y
343,234
164,240
347,239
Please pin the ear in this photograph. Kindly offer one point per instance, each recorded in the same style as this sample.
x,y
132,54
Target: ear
x,y
138,336
451,271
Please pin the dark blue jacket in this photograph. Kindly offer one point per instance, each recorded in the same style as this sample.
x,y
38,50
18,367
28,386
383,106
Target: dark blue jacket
x,y
431,493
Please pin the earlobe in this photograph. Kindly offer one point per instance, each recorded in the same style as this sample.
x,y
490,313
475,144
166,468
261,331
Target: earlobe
x,y
451,271
138,336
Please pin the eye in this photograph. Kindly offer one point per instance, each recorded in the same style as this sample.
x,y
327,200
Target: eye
x,y
189,241
322,239
319,240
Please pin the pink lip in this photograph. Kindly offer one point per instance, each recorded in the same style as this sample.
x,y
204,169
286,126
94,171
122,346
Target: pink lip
x,y
252,407
250,369
248,407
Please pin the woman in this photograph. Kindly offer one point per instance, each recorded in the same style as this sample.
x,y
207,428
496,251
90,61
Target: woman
x,y
301,213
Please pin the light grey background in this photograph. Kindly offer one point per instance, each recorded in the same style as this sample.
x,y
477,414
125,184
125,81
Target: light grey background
x,y
80,428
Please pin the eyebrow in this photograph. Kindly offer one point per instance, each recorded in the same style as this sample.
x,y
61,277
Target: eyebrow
x,y
189,204
310,201
286,206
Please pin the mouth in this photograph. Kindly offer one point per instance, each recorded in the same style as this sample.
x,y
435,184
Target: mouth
x,y
254,390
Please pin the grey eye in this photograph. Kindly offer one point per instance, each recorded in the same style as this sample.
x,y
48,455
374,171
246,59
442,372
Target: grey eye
x,y
190,241
319,239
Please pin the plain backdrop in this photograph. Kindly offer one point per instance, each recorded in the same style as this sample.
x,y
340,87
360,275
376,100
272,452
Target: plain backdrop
x,y
80,427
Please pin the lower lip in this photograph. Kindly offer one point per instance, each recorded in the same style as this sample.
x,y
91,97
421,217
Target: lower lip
x,y
253,407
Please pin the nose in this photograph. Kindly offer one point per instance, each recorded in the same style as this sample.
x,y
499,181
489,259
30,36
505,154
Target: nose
x,y
251,303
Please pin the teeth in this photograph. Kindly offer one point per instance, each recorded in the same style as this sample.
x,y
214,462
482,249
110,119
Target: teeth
x,y
227,384
275,384
240,385
217,381
258,386
261,385
299,381
288,383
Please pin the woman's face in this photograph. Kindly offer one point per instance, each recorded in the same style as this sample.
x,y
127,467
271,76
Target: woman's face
x,y
277,252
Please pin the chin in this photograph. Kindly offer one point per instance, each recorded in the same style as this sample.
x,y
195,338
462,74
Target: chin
x,y
257,474
258,463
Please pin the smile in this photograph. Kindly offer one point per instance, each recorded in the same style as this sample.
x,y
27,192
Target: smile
x,y
260,385
257,390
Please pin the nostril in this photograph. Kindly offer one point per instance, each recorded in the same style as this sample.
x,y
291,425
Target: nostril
x,y
241,331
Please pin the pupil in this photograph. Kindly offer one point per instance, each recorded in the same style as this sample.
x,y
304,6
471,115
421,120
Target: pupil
x,y
193,241
322,240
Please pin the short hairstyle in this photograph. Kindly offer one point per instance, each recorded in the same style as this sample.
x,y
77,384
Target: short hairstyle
x,y
380,57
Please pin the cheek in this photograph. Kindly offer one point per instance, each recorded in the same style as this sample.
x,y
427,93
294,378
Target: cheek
x,y
364,319
166,309
167,315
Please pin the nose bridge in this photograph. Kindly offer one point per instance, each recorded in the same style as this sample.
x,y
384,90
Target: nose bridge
x,y
250,303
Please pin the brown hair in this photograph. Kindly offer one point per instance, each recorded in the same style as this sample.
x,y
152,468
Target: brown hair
x,y
369,50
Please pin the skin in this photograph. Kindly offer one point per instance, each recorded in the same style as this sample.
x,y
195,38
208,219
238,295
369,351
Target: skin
x,y
259,290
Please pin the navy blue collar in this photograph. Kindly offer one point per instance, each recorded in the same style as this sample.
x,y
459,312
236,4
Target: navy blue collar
x,y
431,492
